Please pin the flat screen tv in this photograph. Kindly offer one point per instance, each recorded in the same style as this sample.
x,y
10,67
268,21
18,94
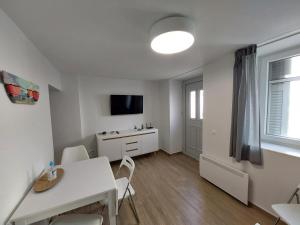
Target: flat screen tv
x,y
126,104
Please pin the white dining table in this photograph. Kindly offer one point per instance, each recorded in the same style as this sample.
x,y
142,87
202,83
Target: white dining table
x,y
83,183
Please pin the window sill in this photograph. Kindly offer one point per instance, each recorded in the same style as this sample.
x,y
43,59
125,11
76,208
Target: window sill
x,y
294,152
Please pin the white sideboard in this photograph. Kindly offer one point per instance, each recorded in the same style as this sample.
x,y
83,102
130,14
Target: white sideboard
x,y
129,142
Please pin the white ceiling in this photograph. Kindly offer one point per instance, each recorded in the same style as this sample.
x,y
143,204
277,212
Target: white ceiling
x,y
110,37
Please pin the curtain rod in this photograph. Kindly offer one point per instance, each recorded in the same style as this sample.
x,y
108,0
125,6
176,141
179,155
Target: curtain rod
x,y
262,44
278,38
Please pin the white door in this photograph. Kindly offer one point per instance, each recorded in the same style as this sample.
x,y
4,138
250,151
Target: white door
x,y
194,117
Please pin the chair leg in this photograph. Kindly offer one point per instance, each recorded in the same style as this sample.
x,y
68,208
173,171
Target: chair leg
x,y
292,196
102,210
127,189
121,203
132,205
277,221
297,197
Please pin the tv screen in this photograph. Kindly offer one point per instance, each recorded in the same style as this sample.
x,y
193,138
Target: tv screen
x,y
126,104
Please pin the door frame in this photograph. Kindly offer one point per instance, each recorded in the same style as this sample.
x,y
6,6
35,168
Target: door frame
x,y
199,78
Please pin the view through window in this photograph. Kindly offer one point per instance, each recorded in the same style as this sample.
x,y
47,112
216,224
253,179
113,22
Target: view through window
x,y
283,118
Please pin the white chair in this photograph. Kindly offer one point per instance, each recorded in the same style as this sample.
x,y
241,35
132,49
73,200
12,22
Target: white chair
x,y
73,154
289,212
125,190
78,219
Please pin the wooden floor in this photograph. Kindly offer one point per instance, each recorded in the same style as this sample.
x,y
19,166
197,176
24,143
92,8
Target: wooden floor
x,y
169,191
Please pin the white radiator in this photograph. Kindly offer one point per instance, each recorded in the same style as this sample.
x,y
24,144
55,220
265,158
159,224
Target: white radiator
x,y
229,179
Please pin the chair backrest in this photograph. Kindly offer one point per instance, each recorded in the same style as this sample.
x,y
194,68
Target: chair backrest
x,y
129,163
295,194
73,154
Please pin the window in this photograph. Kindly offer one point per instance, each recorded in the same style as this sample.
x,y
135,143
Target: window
x,y
283,106
193,104
201,104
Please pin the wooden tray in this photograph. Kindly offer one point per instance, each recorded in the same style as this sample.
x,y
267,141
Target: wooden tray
x,y
43,184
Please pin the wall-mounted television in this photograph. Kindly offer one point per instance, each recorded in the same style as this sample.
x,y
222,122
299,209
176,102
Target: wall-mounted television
x,y
126,104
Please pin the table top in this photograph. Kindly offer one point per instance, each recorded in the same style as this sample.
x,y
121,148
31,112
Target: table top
x,y
289,213
82,180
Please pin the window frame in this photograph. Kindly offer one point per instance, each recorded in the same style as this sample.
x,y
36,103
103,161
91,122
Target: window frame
x,y
195,109
263,67
201,104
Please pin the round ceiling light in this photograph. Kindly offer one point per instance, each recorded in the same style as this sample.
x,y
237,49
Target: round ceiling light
x,y
172,35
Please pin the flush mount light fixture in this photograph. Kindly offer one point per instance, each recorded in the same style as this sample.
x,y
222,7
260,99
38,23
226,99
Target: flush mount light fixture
x,y
172,35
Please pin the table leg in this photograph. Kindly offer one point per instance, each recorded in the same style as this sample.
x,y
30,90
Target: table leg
x,y
112,207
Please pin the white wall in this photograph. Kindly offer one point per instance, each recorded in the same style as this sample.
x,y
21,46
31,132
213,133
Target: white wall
x,y
25,130
164,117
176,116
95,94
217,86
82,109
171,121
271,183
65,115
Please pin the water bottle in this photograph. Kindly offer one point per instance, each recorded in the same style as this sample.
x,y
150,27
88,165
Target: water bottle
x,y
51,171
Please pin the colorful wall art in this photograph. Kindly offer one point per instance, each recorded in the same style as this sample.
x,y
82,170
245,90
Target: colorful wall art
x,y
19,90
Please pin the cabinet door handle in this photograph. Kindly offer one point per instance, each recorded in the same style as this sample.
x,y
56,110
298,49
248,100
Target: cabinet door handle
x,y
131,150
129,143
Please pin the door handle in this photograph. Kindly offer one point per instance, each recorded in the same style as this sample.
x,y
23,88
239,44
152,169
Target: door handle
x,y
131,150
129,143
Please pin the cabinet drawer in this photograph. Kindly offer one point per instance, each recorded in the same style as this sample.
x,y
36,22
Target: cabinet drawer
x,y
131,145
130,140
131,152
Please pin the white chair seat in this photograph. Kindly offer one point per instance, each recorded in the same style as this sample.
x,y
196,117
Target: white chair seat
x,y
78,219
121,185
290,213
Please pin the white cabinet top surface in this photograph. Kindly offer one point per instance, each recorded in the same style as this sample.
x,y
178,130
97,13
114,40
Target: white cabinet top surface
x,y
125,133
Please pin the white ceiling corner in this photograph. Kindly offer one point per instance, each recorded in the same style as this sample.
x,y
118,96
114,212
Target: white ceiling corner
x,y
111,37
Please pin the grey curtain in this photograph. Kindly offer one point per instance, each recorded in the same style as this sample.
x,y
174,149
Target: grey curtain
x,y
245,124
